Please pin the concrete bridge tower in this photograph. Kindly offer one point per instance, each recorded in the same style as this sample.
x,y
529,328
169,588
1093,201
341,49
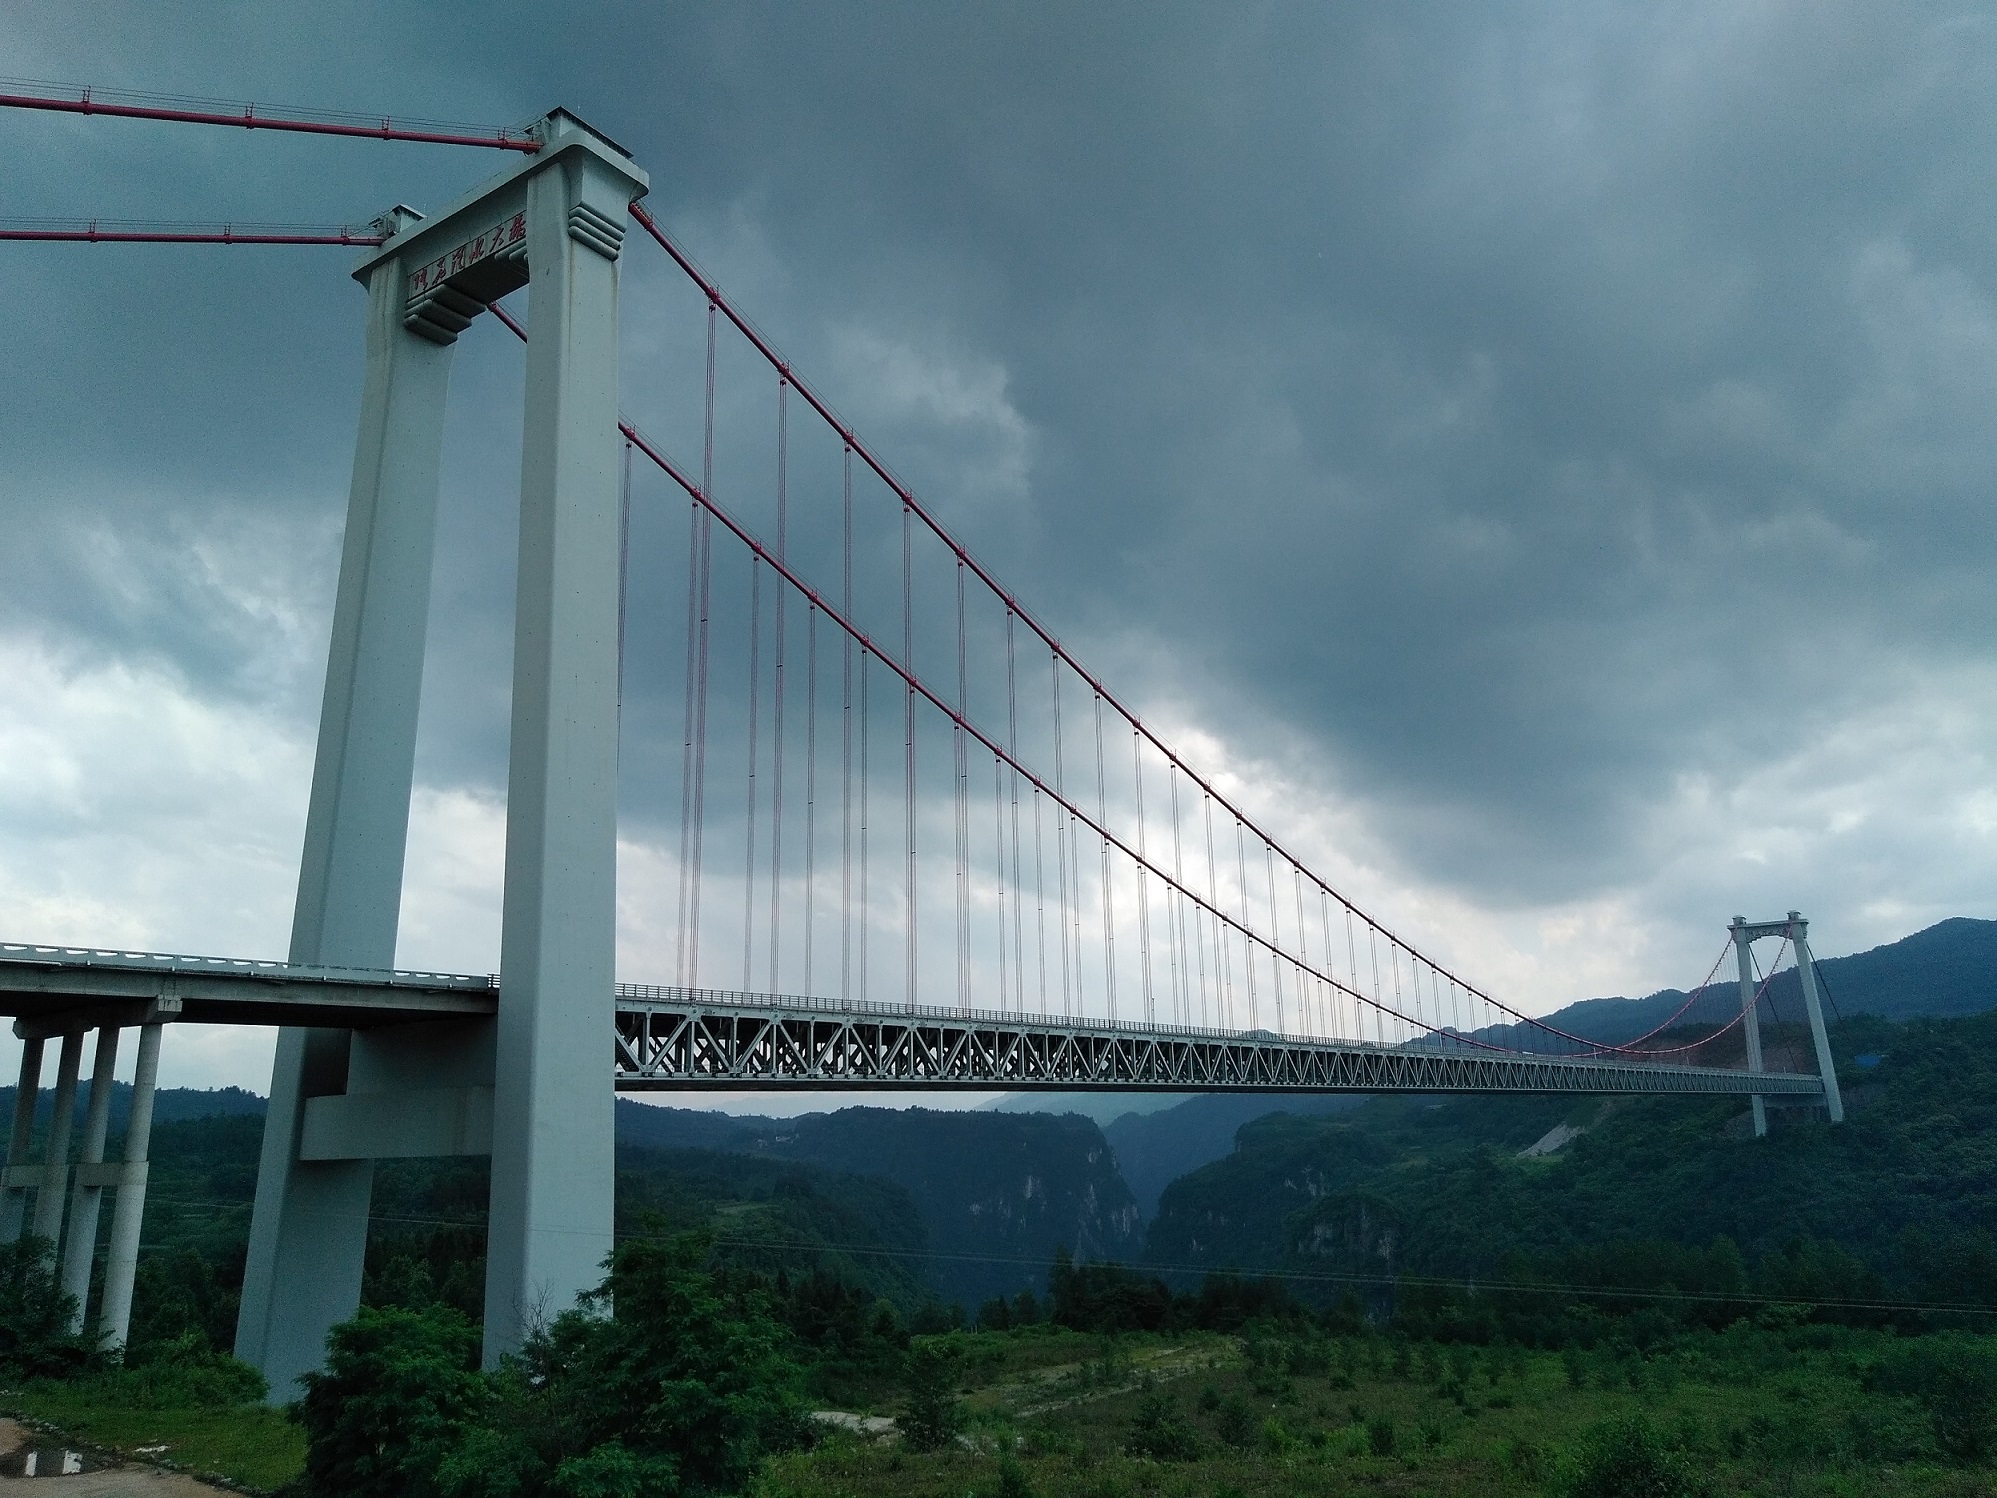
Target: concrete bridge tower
x,y
531,1087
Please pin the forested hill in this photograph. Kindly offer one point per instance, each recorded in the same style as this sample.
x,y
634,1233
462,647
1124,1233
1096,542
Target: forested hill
x,y
1948,969
998,1192
1155,1149
1897,1200
170,1104
988,1196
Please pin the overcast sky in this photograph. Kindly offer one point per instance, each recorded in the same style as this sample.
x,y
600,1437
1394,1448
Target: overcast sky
x,y
1542,456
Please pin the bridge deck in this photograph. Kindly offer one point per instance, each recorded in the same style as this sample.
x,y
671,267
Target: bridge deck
x,y
678,1039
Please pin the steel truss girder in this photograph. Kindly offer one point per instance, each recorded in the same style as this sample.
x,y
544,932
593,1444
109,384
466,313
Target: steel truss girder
x,y
676,1038
667,1044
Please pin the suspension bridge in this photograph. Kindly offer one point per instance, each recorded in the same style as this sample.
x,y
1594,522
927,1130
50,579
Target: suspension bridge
x,y
928,846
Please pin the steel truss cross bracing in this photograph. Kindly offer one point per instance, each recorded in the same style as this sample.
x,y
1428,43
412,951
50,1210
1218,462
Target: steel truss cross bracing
x,y
682,1038
689,1039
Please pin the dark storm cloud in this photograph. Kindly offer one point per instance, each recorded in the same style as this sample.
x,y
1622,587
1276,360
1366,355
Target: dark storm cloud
x,y
1529,407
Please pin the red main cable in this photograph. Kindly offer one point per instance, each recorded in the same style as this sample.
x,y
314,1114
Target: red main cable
x,y
991,745
92,233
936,528
85,101
917,687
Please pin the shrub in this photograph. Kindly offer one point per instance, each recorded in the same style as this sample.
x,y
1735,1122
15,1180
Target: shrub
x,y
1625,1458
1955,1379
1236,1422
1380,1438
932,1418
185,1373
1012,1481
1161,1433
35,1339
612,1470
1527,1458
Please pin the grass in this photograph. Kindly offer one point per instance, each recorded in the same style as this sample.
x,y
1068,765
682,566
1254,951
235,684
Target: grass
x,y
1754,1411
252,1445
1751,1413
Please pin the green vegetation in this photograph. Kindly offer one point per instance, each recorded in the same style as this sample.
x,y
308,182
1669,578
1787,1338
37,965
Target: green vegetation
x,y
204,1408
995,1193
684,1390
1286,1408
1895,1204
173,1393
1663,1308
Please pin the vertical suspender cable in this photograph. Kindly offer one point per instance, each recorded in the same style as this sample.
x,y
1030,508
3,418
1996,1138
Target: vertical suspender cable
x,y
694,516
866,909
961,794
1275,935
1143,894
700,685
1400,1005
1379,1008
908,730
1039,904
777,695
1223,970
1069,1006
1307,987
1175,911
1102,820
1074,833
1012,774
1352,963
1325,989
846,730
1179,914
1334,1007
999,880
810,785
755,702
1247,924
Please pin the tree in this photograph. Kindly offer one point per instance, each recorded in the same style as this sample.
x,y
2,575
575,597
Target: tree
x,y
932,1418
398,1391
685,1388
682,1390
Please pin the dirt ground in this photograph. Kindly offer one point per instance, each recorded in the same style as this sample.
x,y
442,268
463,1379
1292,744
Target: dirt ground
x,y
119,1481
